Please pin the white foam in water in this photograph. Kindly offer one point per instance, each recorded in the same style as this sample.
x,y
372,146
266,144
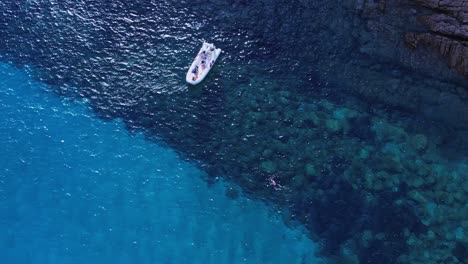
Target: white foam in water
x,y
76,189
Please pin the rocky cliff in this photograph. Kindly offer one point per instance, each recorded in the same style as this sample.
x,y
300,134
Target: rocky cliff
x,y
447,32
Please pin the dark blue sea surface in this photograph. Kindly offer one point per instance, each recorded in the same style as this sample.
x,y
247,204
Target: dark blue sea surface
x,y
341,128
76,189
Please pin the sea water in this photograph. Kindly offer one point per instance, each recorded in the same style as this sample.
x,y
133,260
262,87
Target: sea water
x,y
77,189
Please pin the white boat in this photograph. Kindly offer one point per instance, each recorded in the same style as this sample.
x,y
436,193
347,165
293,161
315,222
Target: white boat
x,y
202,63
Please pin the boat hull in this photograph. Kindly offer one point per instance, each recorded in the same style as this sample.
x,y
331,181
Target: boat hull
x,y
202,63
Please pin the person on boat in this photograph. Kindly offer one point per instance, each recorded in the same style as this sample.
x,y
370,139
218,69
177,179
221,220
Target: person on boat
x,y
203,55
209,52
195,70
195,73
203,64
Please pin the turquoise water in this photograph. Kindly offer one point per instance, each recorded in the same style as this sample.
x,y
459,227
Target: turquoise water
x,y
77,189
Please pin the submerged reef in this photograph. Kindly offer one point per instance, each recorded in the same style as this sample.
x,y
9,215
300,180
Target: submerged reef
x,y
365,181
317,110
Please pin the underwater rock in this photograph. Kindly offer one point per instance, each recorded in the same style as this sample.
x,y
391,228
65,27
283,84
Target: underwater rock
x,y
419,142
391,163
364,153
386,132
268,166
310,170
465,187
298,182
459,233
366,238
267,153
333,126
312,118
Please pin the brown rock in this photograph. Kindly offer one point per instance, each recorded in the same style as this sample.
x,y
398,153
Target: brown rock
x,y
411,40
445,5
446,25
454,50
447,31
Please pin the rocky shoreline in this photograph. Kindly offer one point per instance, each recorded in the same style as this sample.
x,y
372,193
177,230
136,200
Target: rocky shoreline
x,y
378,50
447,24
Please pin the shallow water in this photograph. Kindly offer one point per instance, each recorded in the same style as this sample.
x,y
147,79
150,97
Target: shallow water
x,y
76,189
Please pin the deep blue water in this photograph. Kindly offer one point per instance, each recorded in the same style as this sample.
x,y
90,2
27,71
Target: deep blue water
x,y
76,189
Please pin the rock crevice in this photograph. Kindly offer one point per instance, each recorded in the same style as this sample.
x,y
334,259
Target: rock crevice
x,y
447,34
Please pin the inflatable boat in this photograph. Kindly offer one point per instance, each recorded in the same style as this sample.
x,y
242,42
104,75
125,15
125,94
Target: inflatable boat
x,y
202,63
